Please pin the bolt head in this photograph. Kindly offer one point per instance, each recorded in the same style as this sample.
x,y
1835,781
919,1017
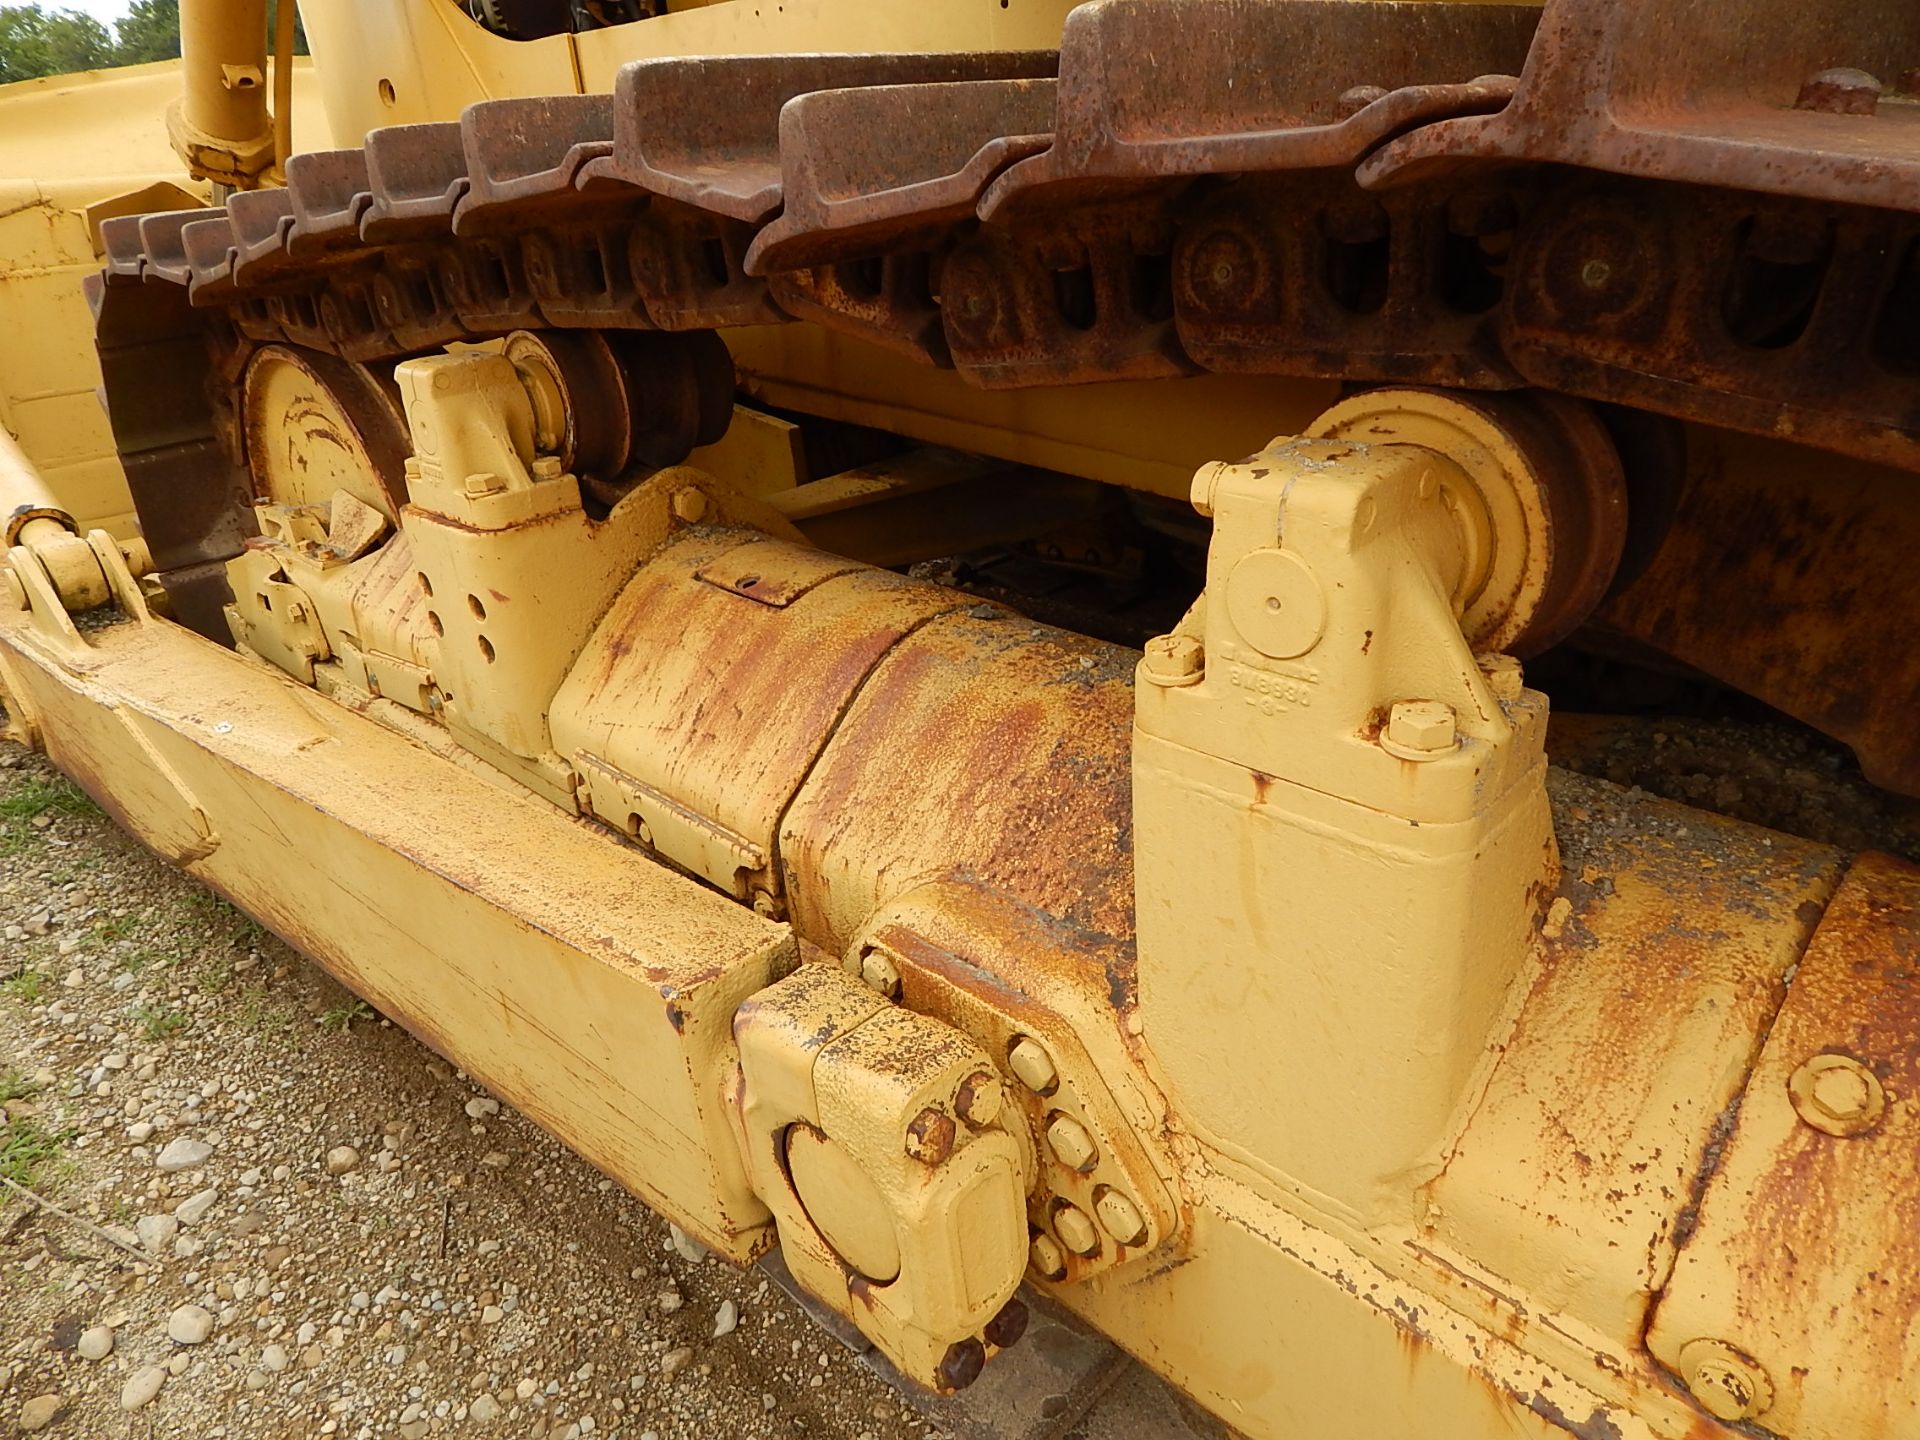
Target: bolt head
x,y
930,1136
979,1099
1503,675
880,973
1072,1146
1728,1384
1076,1231
690,505
1425,727
482,485
1033,1066
1120,1218
1047,1258
1837,1095
1175,659
548,467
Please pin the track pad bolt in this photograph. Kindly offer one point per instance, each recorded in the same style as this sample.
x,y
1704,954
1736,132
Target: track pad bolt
x,y
1174,660
1072,1146
1075,1230
1419,730
1033,1065
1837,1095
1730,1385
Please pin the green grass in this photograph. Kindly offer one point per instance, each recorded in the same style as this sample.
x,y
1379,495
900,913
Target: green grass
x,y
45,794
14,1085
25,1148
258,1015
157,1022
341,1017
33,796
27,986
110,932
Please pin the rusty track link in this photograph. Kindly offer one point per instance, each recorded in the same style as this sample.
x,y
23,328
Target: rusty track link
x,y
1306,187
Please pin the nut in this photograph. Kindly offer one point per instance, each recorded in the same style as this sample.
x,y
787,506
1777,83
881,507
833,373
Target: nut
x,y
880,973
1120,1217
1174,660
1420,729
1033,1065
979,1097
1072,1146
1730,1385
1075,1230
1837,1095
930,1136
690,505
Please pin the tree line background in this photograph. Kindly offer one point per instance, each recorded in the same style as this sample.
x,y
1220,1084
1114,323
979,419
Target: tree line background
x,y
38,41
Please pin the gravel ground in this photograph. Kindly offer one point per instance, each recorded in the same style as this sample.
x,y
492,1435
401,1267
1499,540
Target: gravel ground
x,y
286,1217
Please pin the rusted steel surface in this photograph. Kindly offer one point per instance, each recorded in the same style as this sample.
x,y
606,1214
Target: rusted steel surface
x,y
1196,205
1800,593
1239,86
1767,315
1017,736
706,131
868,170
1309,275
1612,1085
416,174
1787,99
714,721
331,190
1804,1254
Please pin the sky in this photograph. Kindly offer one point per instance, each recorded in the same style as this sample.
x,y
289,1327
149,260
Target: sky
x,y
105,11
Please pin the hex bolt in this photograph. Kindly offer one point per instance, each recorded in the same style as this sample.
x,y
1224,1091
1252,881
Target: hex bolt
x,y
1048,1259
1076,1231
1729,1384
962,1364
1033,1065
690,505
547,467
978,1099
1503,675
1174,660
880,973
1120,1217
1008,1326
1837,1095
1420,729
930,1136
1072,1146
479,486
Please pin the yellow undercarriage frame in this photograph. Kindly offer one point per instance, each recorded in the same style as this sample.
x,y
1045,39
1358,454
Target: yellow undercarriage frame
x,y
1263,999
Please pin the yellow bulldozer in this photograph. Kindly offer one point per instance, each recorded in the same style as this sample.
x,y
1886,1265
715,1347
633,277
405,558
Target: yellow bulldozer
x,y
925,629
